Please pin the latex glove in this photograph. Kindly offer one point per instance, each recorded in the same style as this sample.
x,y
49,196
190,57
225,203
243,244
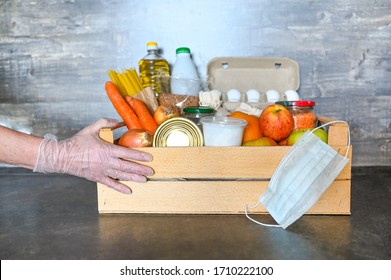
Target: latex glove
x,y
86,155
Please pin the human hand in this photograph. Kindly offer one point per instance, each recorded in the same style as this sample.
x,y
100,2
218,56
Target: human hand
x,y
86,155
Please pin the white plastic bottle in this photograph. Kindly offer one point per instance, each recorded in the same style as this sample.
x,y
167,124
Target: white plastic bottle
x,y
151,66
184,76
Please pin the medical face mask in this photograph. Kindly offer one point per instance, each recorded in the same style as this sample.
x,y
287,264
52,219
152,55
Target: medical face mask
x,y
301,177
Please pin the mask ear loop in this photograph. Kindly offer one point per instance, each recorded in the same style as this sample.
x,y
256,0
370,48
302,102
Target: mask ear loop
x,y
255,221
327,124
254,206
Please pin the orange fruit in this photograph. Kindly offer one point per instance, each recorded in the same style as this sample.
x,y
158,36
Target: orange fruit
x,y
252,130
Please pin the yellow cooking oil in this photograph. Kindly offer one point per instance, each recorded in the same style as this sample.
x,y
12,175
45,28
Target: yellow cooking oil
x,y
152,68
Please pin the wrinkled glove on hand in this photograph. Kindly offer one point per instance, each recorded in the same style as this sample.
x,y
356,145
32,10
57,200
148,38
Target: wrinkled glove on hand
x,y
86,155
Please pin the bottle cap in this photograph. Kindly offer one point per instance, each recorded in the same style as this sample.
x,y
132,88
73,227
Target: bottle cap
x,y
152,46
301,103
198,110
182,50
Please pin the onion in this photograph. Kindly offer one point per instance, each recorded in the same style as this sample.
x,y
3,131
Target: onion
x,y
135,138
164,113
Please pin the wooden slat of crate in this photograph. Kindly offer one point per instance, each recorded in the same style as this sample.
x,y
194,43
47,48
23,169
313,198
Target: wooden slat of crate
x,y
222,162
208,197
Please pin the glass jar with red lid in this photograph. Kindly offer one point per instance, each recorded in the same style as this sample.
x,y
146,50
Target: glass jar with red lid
x,y
302,112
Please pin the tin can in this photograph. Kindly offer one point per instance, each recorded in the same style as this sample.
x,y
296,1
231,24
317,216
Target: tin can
x,y
177,132
302,113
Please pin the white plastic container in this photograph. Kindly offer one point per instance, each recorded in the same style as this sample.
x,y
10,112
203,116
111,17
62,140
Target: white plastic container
x,y
184,76
223,131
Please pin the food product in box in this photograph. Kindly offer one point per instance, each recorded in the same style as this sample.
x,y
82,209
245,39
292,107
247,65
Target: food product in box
x,y
302,112
252,73
169,99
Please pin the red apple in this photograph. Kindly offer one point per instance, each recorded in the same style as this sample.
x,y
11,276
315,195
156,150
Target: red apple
x,y
276,122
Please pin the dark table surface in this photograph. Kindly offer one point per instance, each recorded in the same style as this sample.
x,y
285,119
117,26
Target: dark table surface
x,y
56,217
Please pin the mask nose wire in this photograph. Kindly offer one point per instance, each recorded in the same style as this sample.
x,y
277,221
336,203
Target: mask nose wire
x,y
326,124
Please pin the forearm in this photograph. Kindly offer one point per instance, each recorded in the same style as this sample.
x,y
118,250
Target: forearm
x,y
84,155
17,148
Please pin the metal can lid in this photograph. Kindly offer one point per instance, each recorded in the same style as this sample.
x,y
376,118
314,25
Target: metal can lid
x,y
178,132
198,110
299,103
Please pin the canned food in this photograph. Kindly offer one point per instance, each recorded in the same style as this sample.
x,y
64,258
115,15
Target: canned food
x,y
302,113
177,132
195,113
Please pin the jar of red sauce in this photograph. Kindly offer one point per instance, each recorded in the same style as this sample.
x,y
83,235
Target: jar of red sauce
x,y
302,112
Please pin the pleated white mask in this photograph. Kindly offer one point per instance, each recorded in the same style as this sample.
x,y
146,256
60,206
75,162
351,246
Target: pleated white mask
x,y
302,176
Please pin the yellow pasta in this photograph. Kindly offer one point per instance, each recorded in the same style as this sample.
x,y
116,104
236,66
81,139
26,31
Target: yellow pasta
x,y
114,78
136,78
127,81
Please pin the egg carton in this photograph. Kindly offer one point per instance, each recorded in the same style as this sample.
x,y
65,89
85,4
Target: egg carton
x,y
233,98
256,81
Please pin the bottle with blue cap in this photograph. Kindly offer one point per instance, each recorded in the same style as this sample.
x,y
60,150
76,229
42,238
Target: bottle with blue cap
x,y
184,76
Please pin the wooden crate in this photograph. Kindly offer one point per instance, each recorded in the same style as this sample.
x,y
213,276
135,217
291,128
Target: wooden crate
x,y
218,180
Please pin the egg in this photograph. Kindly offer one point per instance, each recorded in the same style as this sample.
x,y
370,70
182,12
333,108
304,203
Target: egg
x,y
272,95
233,95
253,95
291,95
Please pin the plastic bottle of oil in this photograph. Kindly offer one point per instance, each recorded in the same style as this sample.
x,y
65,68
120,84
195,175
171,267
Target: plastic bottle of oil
x,y
151,67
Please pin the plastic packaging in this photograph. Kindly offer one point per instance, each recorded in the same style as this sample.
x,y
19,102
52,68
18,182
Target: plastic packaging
x,y
223,131
151,66
184,76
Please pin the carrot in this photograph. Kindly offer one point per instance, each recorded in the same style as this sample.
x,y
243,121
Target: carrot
x,y
122,107
143,114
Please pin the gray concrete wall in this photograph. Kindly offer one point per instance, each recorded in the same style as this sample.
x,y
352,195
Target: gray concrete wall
x,y
54,56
